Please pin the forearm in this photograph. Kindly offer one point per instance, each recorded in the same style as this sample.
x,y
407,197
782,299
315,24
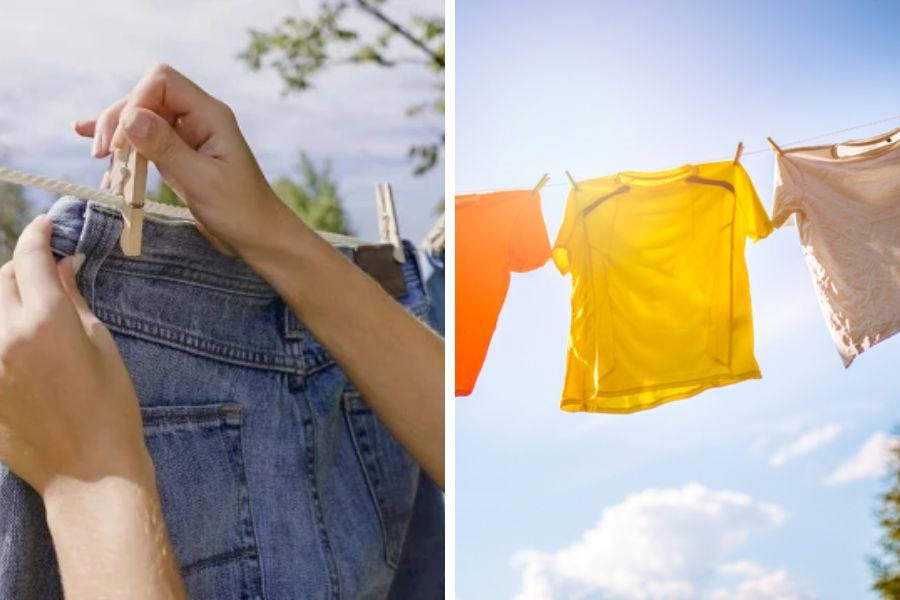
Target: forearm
x,y
395,361
110,537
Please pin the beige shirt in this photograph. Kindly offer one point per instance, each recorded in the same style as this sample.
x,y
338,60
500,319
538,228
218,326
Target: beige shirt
x,y
846,203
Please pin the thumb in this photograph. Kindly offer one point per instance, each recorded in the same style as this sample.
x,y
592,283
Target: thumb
x,y
155,139
66,269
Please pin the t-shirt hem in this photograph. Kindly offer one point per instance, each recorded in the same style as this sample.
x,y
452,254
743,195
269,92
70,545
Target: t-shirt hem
x,y
856,347
593,404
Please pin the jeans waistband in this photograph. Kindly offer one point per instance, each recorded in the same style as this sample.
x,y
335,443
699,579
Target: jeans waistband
x,y
182,292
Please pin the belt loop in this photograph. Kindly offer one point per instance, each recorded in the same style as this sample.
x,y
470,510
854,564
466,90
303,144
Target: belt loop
x,y
293,329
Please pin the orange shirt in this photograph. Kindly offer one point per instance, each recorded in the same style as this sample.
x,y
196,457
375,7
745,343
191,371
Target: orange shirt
x,y
495,233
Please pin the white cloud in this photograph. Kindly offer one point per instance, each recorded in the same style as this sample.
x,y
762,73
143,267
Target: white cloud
x,y
806,444
871,460
758,583
659,544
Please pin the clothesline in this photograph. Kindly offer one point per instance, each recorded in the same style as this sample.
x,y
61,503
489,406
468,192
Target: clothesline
x,y
784,146
59,186
660,290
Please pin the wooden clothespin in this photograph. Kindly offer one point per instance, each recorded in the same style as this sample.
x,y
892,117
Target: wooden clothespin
x,y
388,230
128,179
572,180
740,150
775,146
435,239
541,183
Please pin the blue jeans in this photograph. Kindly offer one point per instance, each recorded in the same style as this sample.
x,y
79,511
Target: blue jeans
x,y
276,479
435,288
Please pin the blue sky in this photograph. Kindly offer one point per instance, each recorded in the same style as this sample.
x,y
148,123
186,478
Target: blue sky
x,y
763,489
68,60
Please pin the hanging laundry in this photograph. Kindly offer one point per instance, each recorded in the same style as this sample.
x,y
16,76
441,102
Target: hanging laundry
x,y
241,405
495,234
435,287
434,251
660,292
847,207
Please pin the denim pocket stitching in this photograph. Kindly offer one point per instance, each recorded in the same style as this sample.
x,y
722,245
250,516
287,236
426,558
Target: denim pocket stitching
x,y
249,521
364,454
318,513
171,336
182,279
225,417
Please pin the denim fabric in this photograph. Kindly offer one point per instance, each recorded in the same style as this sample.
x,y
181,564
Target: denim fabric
x,y
422,562
420,574
435,288
276,479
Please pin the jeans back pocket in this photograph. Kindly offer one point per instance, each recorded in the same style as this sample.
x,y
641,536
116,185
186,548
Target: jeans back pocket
x,y
198,455
391,474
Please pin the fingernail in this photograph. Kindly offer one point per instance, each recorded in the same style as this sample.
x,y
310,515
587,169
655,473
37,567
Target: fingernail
x,y
137,124
77,261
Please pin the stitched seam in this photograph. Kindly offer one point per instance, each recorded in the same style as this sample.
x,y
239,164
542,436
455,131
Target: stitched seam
x,y
311,473
249,524
590,207
193,344
370,482
592,404
236,291
673,384
704,181
218,559
149,263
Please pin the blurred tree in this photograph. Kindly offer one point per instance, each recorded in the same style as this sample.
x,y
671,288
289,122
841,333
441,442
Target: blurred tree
x,y
164,195
315,197
14,215
300,47
887,566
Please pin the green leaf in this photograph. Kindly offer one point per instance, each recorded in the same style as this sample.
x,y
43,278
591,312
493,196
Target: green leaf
x,y
314,196
299,48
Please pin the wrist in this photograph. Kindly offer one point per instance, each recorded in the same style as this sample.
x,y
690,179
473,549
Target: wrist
x,y
98,477
283,233
117,517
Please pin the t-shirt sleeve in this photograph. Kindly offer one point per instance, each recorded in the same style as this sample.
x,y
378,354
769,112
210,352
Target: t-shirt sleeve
x,y
752,212
529,245
563,237
787,194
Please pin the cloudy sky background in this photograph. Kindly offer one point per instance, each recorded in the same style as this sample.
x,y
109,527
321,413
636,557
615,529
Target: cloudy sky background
x,y
760,490
67,60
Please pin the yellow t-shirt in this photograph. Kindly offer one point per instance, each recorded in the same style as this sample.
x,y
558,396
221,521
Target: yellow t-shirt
x,y
660,292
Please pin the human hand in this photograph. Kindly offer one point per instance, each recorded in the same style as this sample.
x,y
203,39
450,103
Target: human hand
x,y
195,142
68,408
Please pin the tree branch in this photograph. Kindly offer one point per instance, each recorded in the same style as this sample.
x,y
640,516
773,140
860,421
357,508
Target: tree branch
x,y
435,58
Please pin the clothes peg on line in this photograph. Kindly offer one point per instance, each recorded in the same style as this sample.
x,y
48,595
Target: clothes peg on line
x,y
388,229
740,150
775,146
128,180
572,180
435,240
544,179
